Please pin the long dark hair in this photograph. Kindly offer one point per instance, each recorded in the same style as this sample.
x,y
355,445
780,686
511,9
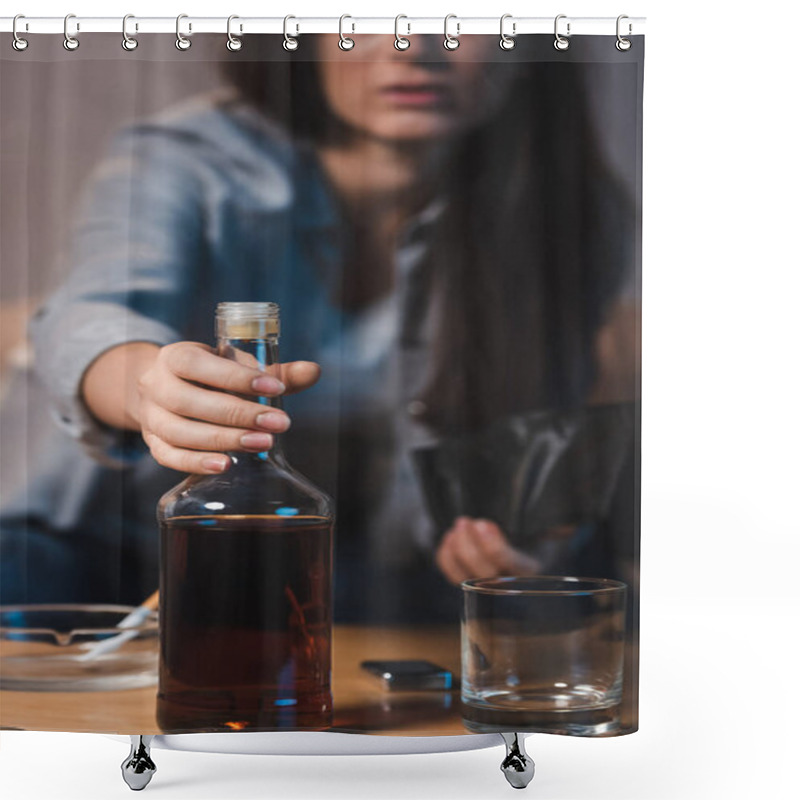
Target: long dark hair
x,y
529,252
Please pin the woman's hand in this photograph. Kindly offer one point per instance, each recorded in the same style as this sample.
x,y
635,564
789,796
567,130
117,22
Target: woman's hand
x,y
180,397
189,416
477,548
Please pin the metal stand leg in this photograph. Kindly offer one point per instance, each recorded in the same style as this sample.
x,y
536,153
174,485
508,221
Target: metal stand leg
x,y
138,768
517,766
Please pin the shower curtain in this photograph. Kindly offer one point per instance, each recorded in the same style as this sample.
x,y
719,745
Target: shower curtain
x,y
452,235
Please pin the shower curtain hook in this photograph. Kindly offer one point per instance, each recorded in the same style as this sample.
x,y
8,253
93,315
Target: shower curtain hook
x,y
234,43
451,42
129,42
400,42
18,43
345,42
181,42
507,42
623,44
70,42
289,43
561,42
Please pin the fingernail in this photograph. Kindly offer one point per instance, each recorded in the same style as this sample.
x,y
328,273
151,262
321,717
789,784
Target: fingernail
x,y
273,420
266,384
483,528
215,463
256,441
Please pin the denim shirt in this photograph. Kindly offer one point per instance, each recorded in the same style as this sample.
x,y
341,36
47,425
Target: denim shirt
x,y
210,202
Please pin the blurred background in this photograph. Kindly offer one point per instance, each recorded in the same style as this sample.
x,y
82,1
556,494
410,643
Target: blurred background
x,y
60,111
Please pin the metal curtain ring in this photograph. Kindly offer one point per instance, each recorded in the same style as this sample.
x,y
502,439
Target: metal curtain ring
x,y
451,42
234,43
129,42
289,43
181,42
345,42
400,42
623,44
70,42
507,42
18,43
561,42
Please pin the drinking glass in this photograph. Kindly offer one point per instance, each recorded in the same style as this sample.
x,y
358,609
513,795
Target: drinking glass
x,y
542,654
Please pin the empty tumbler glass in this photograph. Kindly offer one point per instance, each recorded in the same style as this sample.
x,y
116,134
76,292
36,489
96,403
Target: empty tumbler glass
x,y
543,654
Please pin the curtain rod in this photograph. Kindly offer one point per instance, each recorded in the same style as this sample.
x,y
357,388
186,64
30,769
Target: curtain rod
x,y
350,25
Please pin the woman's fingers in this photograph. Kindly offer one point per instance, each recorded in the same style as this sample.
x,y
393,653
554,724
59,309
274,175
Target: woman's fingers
x,y
193,435
195,402
492,544
448,563
198,363
192,405
470,552
182,460
507,560
459,555
477,548
299,375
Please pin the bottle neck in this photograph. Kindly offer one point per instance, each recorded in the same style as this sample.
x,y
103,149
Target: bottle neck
x,y
262,354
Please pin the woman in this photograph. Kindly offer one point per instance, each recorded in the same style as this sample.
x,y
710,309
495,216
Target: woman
x,y
444,243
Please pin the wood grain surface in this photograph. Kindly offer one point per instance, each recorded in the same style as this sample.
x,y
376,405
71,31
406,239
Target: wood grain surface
x,y
361,704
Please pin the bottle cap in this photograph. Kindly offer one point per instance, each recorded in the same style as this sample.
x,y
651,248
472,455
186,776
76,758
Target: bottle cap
x,y
248,320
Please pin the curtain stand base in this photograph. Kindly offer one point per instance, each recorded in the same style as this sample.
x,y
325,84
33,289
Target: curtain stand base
x,y
138,768
517,766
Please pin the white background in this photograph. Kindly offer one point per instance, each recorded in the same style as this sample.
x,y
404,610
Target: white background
x,y
719,679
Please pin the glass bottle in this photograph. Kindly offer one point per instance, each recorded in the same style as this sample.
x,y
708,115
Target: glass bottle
x,y
245,593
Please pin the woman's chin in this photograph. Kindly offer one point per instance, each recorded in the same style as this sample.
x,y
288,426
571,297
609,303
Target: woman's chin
x,y
415,132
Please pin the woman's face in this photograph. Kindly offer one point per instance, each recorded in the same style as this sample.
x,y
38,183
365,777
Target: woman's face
x,y
422,93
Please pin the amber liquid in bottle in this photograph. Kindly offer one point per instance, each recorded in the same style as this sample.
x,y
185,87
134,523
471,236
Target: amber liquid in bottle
x,y
253,654
245,605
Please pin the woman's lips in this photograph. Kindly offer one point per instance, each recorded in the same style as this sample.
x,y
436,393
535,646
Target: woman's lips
x,y
419,95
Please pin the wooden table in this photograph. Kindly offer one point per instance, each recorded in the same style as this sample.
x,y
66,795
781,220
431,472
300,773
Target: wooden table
x,y
361,705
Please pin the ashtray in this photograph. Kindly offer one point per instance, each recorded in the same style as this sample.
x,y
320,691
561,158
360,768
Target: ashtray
x,y
41,648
